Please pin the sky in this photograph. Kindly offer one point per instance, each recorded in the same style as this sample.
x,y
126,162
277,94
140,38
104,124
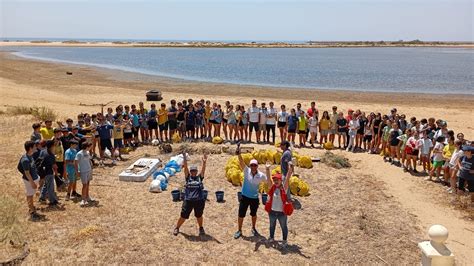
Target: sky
x,y
257,20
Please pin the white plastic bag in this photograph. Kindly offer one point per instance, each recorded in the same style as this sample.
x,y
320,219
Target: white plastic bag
x,y
107,153
155,185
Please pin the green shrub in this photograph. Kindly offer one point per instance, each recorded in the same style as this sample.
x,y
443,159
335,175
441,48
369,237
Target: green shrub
x,y
11,228
41,113
336,161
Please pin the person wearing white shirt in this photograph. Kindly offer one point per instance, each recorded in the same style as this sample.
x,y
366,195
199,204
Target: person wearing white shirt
x,y
271,122
254,117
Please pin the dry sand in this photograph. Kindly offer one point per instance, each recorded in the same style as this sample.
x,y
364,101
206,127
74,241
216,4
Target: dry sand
x,y
369,213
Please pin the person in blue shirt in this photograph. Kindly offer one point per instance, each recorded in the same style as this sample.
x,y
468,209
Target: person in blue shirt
x,y
27,168
69,157
105,134
252,179
292,123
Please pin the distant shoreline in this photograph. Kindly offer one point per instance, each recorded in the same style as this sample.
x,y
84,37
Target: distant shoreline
x,y
199,44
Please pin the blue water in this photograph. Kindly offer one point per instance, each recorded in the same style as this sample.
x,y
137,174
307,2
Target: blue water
x,y
421,70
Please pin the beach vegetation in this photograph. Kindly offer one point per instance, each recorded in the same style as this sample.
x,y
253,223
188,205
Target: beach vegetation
x,y
41,113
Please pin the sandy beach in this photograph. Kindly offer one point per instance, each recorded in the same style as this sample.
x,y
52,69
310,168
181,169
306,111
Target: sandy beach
x,y
367,214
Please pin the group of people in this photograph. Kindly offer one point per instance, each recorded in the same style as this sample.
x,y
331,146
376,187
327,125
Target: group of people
x,y
276,206
62,153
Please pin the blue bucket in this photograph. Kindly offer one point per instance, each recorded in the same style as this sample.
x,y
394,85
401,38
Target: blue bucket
x,y
239,196
176,195
220,196
264,198
204,194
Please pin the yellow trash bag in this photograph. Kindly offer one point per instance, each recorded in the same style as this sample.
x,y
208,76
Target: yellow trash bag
x,y
260,156
247,157
277,144
276,170
241,178
294,181
303,188
217,140
176,138
269,156
277,157
234,175
305,162
328,145
263,187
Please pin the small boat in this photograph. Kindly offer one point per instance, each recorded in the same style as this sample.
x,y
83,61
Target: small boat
x,y
154,95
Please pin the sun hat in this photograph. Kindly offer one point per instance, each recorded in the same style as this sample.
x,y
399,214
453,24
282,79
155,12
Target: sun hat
x,y
253,161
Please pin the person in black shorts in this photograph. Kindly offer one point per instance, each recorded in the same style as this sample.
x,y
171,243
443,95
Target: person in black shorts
x,y
152,123
193,195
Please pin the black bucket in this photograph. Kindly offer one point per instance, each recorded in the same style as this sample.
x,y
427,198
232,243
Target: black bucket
x,y
264,198
176,195
220,196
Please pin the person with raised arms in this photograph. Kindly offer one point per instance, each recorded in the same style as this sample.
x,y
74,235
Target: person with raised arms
x,y
275,205
252,179
193,194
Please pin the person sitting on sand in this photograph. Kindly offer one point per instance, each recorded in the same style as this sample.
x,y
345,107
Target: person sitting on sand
x,y
277,196
252,179
193,195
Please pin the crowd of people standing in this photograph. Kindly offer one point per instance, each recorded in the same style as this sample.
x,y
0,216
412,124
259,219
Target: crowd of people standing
x,y
64,153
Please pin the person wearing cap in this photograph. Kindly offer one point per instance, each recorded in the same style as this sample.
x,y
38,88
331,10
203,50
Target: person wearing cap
x,y
465,165
193,195
70,173
252,179
47,131
277,196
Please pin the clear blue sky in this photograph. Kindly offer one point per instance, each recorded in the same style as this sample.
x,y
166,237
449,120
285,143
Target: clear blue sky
x,y
445,20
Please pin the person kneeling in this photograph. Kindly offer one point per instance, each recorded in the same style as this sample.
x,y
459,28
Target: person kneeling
x,y
193,195
278,206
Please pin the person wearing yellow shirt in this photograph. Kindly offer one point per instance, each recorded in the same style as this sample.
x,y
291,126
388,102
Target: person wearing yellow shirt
x,y
47,132
324,125
302,126
163,122
448,152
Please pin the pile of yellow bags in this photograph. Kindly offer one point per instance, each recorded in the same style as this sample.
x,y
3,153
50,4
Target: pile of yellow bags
x,y
176,138
235,175
233,172
217,140
328,145
305,162
298,186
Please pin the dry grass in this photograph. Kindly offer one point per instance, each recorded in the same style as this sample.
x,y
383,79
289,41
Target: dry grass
x,y
335,161
88,232
11,228
40,113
